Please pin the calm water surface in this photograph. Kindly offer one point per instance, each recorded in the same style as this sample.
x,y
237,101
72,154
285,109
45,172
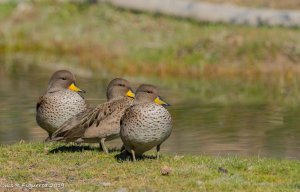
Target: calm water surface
x,y
259,130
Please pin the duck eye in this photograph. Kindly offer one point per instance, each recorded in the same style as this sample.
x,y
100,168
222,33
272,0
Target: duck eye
x,y
149,91
122,85
63,78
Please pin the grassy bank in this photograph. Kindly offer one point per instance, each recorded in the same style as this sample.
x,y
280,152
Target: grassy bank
x,y
88,169
221,63
120,41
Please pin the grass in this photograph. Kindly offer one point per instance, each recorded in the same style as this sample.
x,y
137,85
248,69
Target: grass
x,y
121,41
252,65
209,63
86,168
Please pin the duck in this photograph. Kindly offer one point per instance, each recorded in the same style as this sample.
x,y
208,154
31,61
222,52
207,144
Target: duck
x,y
147,123
61,101
102,123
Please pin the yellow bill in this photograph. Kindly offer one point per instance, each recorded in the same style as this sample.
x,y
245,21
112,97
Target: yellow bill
x,y
130,94
159,101
73,87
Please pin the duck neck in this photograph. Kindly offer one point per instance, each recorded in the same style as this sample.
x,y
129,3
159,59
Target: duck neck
x,y
114,97
54,89
141,98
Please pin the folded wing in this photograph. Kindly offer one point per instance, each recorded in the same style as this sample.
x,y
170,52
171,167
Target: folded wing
x,y
75,127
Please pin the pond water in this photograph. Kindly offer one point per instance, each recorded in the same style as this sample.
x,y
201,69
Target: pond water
x,y
199,128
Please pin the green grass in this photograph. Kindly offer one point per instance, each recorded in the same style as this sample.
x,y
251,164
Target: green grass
x,y
215,62
91,170
121,41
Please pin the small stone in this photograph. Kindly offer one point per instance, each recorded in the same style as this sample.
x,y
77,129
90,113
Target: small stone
x,y
165,170
105,184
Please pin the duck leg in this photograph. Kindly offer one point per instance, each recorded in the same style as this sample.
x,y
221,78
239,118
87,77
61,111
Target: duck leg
x,y
100,147
133,155
157,151
102,144
122,148
48,138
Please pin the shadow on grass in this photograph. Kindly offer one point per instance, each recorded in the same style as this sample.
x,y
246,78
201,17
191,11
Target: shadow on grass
x,y
72,149
80,148
126,156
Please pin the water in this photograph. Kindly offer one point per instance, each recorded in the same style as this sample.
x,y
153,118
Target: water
x,y
199,128
244,130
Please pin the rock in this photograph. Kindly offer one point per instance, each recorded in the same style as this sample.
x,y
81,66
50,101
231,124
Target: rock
x,y
165,170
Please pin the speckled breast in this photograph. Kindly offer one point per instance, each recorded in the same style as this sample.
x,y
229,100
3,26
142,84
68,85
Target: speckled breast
x,y
145,126
58,107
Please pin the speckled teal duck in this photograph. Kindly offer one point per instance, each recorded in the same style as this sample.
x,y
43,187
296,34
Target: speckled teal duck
x,y
146,124
101,123
60,102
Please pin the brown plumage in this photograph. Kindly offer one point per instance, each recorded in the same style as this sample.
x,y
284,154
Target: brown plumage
x,y
146,124
60,102
102,122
